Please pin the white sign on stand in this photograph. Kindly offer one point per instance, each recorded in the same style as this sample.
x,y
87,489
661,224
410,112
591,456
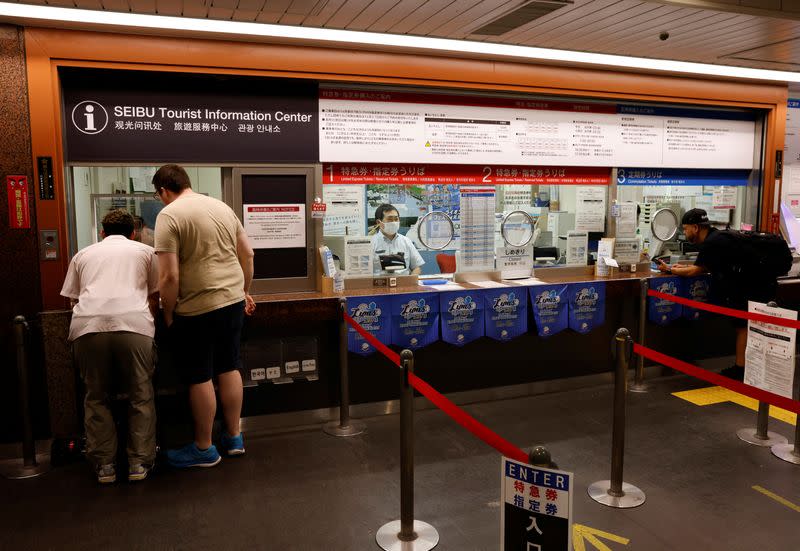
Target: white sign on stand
x,y
275,226
536,508
515,262
770,357
577,248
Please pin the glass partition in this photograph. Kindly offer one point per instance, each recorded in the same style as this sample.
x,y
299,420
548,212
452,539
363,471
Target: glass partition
x,y
98,189
554,225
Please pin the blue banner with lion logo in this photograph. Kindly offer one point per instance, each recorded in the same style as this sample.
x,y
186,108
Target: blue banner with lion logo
x,y
372,313
663,311
587,306
550,308
462,316
415,320
506,313
695,288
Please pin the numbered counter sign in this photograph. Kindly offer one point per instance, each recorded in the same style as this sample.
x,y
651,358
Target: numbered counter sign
x,y
536,513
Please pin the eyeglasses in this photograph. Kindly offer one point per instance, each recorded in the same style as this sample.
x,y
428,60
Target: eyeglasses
x,y
157,194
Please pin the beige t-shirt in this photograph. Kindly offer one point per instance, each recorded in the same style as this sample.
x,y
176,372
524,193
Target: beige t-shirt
x,y
202,231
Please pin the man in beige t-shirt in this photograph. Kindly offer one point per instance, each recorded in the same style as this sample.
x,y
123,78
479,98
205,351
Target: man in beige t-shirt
x,y
205,270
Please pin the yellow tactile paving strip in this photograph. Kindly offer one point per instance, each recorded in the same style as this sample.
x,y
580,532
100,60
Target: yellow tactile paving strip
x,y
718,394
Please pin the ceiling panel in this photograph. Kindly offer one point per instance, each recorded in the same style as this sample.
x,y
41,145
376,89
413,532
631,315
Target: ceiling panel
x,y
425,11
475,17
322,12
625,27
571,29
371,14
395,15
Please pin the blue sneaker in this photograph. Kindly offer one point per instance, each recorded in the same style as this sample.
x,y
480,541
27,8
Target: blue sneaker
x,y
192,456
232,445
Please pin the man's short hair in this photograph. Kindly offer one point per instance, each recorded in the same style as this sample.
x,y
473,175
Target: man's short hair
x,y
172,178
118,222
383,209
695,216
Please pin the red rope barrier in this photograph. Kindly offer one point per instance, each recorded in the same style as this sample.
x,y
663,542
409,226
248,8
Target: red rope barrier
x,y
741,314
457,414
720,380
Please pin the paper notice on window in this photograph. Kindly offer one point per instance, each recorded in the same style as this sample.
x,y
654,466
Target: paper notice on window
x,y
626,220
345,210
477,229
577,248
724,197
275,226
770,357
590,208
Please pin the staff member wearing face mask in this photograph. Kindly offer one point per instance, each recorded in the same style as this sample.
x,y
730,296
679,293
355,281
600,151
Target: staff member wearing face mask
x,y
720,255
389,241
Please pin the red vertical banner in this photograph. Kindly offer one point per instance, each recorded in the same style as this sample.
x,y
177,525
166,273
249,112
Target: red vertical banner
x,y
19,214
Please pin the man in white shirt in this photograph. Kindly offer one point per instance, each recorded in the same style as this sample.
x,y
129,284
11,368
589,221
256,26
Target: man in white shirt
x,y
387,241
115,284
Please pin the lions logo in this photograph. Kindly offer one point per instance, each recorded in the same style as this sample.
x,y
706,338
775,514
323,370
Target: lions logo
x,y
415,309
506,303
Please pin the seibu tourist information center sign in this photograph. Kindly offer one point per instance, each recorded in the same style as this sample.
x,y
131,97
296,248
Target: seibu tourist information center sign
x,y
157,117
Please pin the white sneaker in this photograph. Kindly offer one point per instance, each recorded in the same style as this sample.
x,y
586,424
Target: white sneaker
x,y
138,471
106,474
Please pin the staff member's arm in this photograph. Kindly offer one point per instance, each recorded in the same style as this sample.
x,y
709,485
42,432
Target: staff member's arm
x,y
168,283
245,253
415,260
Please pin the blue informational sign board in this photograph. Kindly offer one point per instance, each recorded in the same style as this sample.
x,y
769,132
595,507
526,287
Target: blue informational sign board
x,y
587,306
462,316
695,288
662,311
681,177
536,513
550,308
415,320
372,313
506,313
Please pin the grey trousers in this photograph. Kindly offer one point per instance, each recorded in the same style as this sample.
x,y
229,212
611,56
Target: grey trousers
x,y
124,362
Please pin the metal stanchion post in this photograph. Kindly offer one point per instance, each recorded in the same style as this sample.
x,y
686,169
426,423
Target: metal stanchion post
x,y
761,436
345,426
788,452
615,492
638,381
407,534
31,465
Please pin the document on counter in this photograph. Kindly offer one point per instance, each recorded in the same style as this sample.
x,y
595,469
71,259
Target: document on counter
x,y
770,357
590,208
529,281
489,284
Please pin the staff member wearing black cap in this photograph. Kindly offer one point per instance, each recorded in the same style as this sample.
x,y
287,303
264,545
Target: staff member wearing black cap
x,y
732,285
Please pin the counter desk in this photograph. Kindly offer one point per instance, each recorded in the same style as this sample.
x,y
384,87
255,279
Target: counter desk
x,y
292,326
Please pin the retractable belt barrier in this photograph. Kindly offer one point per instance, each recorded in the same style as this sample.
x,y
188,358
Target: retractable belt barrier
x,y
458,415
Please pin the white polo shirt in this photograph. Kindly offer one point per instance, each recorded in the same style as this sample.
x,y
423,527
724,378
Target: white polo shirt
x,y
111,281
398,244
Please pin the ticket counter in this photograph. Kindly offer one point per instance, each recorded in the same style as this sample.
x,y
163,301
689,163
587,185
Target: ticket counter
x,y
488,183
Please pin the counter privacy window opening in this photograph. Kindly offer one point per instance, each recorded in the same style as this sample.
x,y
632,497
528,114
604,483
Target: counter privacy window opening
x,y
437,230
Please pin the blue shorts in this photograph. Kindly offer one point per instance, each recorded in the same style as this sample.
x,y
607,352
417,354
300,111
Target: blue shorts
x,y
208,344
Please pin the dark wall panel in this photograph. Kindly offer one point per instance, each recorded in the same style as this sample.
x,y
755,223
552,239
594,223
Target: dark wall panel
x,y
19,276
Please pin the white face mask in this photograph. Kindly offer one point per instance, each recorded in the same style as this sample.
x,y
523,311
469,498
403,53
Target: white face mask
x,y
391,228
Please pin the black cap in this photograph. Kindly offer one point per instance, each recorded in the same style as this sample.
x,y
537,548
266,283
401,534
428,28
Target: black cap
x,y
696,216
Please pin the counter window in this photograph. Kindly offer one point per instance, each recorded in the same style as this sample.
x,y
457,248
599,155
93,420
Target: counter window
x,y
99,189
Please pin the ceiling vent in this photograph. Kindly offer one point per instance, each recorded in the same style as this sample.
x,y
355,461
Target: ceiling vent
x,y
521,16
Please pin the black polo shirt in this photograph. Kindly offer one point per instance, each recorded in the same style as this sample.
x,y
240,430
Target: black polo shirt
x,y
731,260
